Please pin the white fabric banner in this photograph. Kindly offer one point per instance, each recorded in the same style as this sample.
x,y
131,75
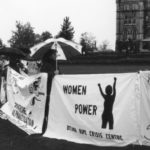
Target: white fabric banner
x,y
26,100
94,109
145,107
3,91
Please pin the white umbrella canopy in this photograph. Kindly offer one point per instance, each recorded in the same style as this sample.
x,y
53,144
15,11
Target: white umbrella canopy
x,y
65,49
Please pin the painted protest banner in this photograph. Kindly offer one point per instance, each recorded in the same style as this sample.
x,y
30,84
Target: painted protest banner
x,y
3,91
94,109
3,98
144,116
26,100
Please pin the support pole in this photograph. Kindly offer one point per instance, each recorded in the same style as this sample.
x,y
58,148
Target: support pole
x,y
56,71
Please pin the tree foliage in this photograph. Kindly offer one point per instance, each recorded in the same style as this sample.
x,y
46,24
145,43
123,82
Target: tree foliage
x,y
88,42
23,37
104,46
67,31
46,35
1,43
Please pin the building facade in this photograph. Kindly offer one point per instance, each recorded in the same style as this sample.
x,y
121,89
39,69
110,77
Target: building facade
x,y
133,26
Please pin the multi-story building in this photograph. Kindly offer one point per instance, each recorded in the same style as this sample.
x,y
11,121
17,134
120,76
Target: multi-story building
x,y
133,25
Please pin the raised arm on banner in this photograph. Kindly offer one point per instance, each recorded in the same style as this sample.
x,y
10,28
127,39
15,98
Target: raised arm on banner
x,y
100,88
114,87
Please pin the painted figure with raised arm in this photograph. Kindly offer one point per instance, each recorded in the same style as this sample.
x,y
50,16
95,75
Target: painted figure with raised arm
x,y
109,98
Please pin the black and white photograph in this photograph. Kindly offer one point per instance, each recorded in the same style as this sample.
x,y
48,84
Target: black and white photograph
x,y
75,75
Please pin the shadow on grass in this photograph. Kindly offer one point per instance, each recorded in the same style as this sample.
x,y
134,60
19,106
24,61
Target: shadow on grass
x,y
13,138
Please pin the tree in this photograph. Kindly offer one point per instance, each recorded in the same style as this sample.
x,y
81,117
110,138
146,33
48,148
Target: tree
x,y
37,38
23,37
104,46
88,42
67,31
1,43
46,35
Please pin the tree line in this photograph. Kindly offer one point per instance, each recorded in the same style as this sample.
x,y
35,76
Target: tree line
x,y
24,37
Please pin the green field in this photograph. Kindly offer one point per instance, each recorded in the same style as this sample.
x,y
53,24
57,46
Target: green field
x,y
102,63
102,68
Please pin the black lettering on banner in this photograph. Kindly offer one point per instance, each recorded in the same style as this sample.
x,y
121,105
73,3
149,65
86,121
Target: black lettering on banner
x,y
82,131
85,109
75,89
20,108
95,134
114,137
23,118
70,128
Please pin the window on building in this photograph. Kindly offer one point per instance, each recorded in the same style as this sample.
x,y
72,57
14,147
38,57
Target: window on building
x,y
130,18
134,34
134,21
148,4
125,33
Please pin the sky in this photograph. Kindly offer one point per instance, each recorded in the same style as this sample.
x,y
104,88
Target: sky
x,y
97,17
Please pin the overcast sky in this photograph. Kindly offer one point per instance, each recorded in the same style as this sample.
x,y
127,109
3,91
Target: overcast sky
x,y
94,16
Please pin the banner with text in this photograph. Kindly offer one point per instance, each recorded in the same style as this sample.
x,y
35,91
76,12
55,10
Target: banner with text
x,y
94,109
2,91
26,97
145,107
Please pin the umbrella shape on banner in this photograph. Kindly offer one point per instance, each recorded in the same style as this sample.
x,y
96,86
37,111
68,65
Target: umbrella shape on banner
x,y
65,49
8,51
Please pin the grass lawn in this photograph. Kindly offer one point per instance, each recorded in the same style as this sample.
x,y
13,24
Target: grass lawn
x,y
102,68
